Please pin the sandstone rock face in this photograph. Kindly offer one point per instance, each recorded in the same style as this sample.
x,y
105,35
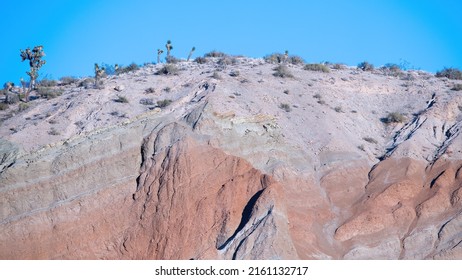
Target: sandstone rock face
x,y
224,173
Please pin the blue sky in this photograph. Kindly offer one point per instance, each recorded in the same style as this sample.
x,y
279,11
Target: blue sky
x,y
76,34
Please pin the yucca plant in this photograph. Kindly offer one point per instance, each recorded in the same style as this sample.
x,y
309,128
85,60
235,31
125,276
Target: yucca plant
x,y
35,62
190,53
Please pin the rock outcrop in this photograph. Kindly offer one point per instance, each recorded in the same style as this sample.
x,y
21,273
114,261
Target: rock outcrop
x,y
225,172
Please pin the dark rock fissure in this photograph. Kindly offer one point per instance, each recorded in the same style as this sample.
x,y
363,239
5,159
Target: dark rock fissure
x,y
246,214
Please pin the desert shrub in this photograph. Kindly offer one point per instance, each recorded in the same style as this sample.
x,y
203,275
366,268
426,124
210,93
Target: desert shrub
x,y
391,69
64,81
130,68
171,59
49,93
164,103
317,96
216,75
168,69
282,71
227,60
274,58
296,60
457,87
48,83
23,106
317,67
87,83
53,131
370,140
450,73
361,147
3,106
366,66
285,107
121,99
277,58
394,117
338,109
167,89
150,90
338,66
234,73
146,101
201,60
215,53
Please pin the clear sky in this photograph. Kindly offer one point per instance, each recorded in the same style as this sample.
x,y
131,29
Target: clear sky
x,y
77,33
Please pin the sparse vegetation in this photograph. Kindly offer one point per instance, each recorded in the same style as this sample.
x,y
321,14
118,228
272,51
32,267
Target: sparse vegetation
x,y
457,87
338,66
121,99
23,106
3,106
317,67
366,66
172,60
146,101
338,109
87,83
317,96
35,62
65,81
99,74
370,140
164,103
130,68
234,73
150,90
392,69
167,89
216,75
201,60
394,117
168,69
285,107
53,131
48,83
282,71
49,92
277,58
215,53
450,73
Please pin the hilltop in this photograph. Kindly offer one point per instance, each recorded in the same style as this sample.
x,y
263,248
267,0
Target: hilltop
x,y
232,159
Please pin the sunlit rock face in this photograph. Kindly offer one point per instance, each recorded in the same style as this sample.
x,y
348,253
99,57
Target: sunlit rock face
x,y
241,166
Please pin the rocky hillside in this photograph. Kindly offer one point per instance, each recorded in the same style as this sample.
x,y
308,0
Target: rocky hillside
x,y
232,159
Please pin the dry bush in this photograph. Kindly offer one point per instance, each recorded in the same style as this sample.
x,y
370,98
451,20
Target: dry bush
x,y
457,87
285,107
215,53
366,66
169,69
164,103
49,93
282,71
65,81
201,60
394,117
317,67
450,73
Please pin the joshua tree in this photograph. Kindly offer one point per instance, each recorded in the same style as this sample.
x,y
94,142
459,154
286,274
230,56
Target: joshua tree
x,y
7,87
169,47
159,52
35,62
286,56
191,52
99,72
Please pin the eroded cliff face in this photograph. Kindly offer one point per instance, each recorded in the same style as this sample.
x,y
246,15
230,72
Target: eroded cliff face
x,y
224,173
